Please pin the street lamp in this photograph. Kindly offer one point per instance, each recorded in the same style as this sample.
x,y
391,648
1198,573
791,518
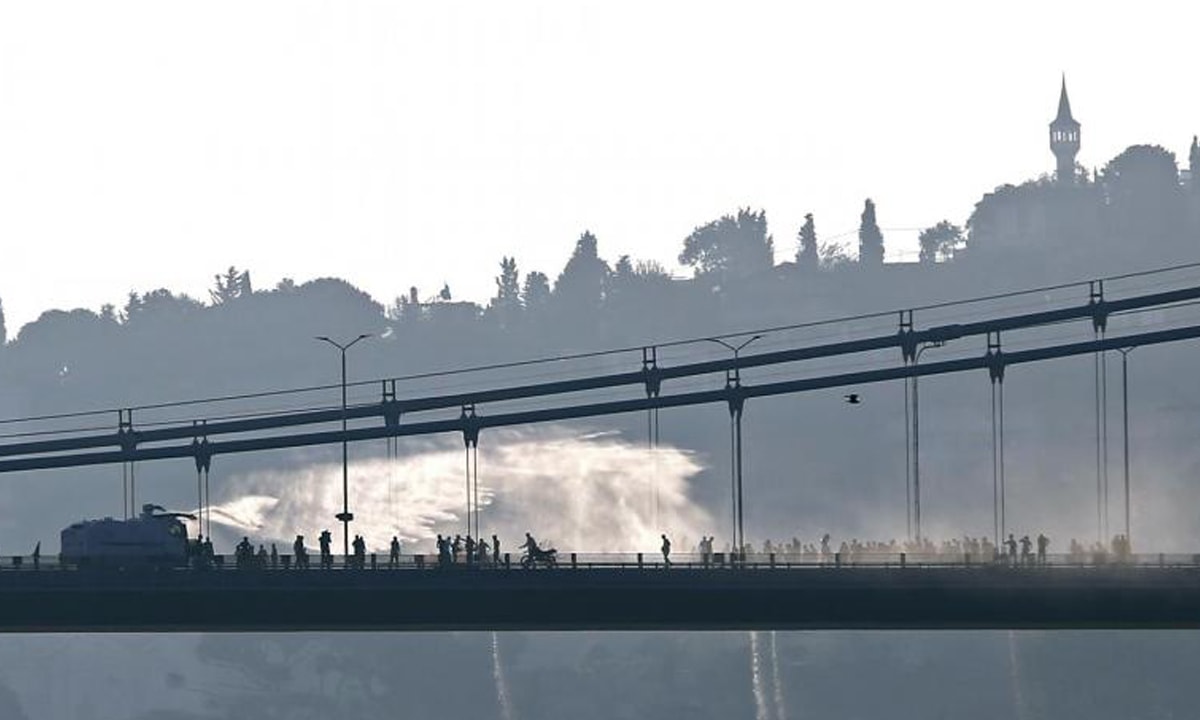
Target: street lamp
x,y
916,432
1125,427
735,417
345,516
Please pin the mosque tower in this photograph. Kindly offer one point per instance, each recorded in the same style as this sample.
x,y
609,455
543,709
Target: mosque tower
x,y
1064,138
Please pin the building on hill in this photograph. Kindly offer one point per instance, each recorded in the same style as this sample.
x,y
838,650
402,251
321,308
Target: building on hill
x,y
1052,210
1064,138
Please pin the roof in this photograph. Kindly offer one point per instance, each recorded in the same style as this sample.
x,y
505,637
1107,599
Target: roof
x,y
1064,107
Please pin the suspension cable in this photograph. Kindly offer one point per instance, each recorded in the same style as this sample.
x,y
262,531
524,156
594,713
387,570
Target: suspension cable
x,y
1099,458
1000,454
907,464
996,501
1104,433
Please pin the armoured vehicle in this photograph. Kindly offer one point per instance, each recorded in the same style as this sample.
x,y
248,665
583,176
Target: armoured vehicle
x,y
154,538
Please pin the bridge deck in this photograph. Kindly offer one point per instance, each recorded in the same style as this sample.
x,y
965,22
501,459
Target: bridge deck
x,y
601,598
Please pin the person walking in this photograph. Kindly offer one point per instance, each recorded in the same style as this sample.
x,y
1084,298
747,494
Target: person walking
x,y
300,552
326,540
666,550
394,553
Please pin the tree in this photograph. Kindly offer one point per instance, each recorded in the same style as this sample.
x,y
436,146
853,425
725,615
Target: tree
x,y
807,255
1144,200
582,284
231,286
444,294
735,246
536,293
1194,164
133,304
156,304
623,270
941,240
870,238
651,270
637,282
3,327
506,305
508,285
833,255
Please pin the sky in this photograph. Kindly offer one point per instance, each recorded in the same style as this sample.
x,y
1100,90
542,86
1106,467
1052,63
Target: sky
x,y
153,144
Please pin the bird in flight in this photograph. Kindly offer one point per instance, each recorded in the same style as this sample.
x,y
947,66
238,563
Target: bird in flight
x,y
853,399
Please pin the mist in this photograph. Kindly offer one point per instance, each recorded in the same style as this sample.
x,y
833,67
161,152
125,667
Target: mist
x,y
589,492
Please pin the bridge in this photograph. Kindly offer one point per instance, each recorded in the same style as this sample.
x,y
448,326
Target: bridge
x,y
891,592
607,593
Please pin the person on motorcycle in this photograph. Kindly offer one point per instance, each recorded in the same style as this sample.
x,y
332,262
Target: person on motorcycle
x,y
531,546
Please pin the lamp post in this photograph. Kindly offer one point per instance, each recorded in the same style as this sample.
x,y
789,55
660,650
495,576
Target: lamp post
x,y
734,380
916,433
1125,427
345,516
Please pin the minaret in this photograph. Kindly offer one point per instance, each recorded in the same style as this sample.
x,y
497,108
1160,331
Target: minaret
x,y
1064,138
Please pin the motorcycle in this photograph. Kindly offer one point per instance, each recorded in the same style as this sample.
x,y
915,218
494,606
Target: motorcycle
x,y
537,557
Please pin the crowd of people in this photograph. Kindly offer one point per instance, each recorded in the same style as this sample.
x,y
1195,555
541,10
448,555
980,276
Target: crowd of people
x,y
466,550
1013,551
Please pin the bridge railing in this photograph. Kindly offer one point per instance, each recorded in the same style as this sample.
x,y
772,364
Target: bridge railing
x,y
626,561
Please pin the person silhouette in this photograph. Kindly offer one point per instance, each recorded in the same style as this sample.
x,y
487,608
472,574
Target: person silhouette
x,y
666,550
326,540
300,552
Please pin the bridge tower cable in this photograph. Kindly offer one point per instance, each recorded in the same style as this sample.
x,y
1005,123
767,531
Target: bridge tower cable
x,y
127,440
1099,316
391,418
470,430
653,382
995,366
202,454
906,348
1125,432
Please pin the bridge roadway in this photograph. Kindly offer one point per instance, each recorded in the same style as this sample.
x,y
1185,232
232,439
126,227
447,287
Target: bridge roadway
x,y
603,597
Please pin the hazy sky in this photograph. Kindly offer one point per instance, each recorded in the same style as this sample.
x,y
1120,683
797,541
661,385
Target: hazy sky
x,y
149,144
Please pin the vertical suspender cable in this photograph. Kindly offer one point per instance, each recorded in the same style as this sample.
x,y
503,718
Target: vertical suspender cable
x,y
1099,463
995,475
475,483
733,543
199,499
207,506
467,452
125,490
1000,453
1104,431
907,465
650,449
655,458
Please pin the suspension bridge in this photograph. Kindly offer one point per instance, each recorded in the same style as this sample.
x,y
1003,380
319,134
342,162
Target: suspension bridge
x,y
894,591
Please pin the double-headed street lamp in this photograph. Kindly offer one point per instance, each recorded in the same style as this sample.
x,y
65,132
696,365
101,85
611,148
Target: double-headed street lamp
x,y
345,516
734,380
916,434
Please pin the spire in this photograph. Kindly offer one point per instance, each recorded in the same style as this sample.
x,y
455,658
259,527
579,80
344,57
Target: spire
x,y
1064,137
1064,106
